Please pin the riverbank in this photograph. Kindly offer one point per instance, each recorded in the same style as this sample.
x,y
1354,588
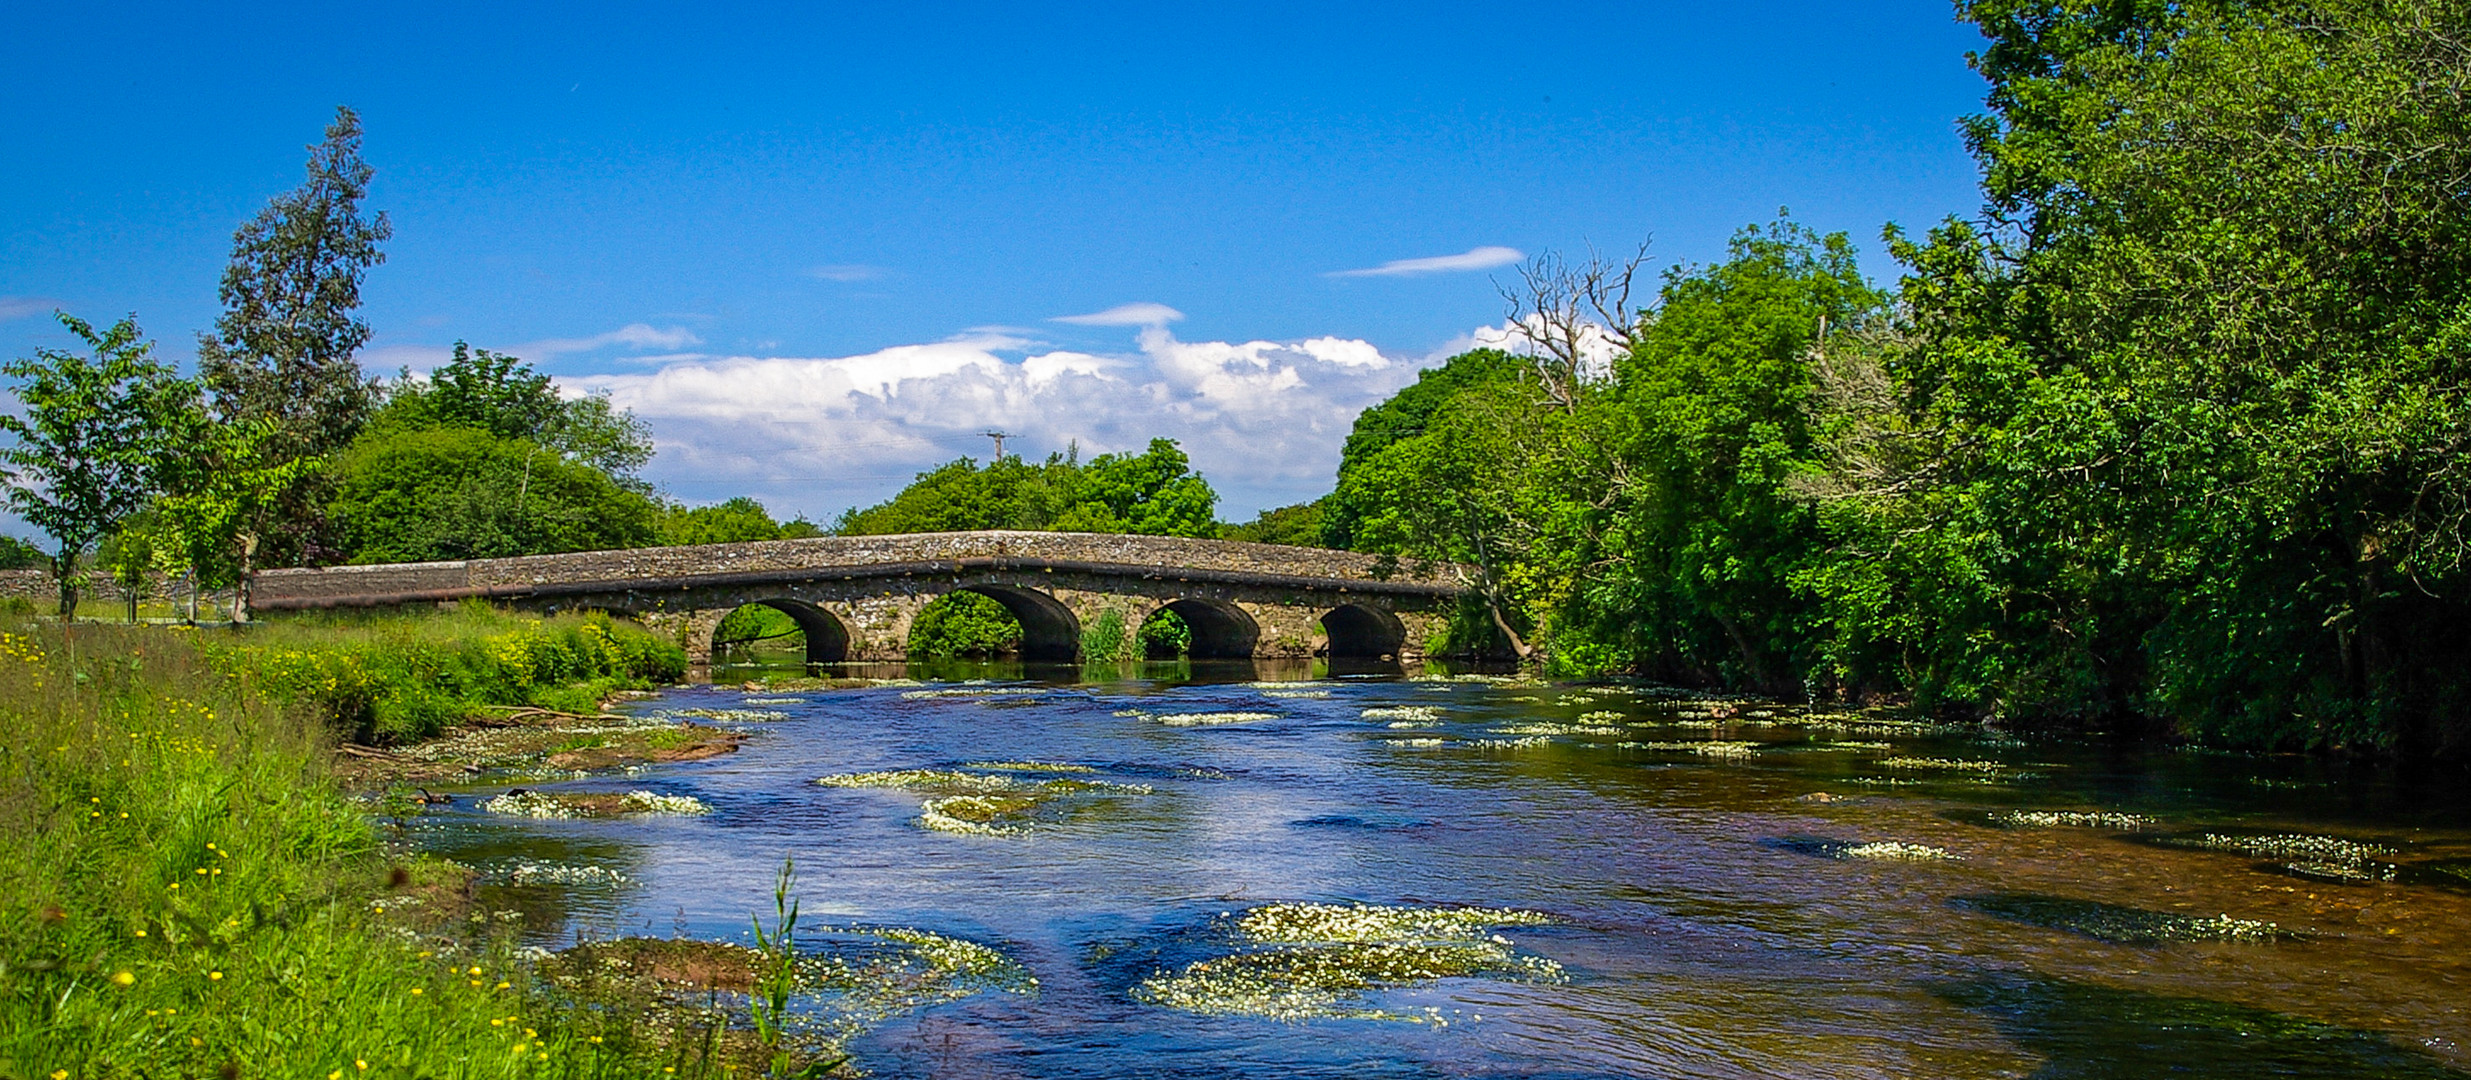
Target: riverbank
x,y
194,891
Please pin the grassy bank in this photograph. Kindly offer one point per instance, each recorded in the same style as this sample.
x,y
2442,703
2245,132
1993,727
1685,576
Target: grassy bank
x,y
189,893
388,678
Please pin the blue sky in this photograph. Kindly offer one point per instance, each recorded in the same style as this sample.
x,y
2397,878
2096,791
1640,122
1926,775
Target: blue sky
x,y
819,247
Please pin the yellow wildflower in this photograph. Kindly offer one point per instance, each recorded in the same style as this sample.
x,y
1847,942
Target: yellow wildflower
x,y
124,977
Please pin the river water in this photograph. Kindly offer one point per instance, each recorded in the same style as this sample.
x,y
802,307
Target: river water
x,y
1700,907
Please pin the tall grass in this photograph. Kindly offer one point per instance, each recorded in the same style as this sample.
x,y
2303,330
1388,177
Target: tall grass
x,y
399,678
185,892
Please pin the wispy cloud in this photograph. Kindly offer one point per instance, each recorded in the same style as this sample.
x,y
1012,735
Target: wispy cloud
x,y
1483,258
846,272
633,336
18,307
1125,315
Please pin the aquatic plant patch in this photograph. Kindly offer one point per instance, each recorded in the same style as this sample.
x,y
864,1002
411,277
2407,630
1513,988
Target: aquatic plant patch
x,y
971,804
2073,819
852,980
726,716
1418,713
534,873
527,802
1887,850
1211,719
1319,961
971,692
1932,764
1713,748
1550,727
2119,923
2323,857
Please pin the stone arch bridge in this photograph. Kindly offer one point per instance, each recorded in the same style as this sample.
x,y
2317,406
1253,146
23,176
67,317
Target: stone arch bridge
x,y
855,596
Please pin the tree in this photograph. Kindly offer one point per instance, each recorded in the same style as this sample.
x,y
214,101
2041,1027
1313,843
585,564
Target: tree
x,y
735,521
1154,492
128,555
1404,416
222,491
2176,430
16,554
282,351
1298,525
463,493
88,445
506,397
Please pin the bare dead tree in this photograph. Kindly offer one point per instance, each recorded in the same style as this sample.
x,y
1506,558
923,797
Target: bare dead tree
x,y
1566,311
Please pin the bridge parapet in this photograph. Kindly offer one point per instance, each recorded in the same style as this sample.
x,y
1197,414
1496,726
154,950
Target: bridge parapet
x,y
354,586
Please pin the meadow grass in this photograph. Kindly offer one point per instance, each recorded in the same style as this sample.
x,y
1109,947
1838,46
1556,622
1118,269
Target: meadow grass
x,y
189,893
394,678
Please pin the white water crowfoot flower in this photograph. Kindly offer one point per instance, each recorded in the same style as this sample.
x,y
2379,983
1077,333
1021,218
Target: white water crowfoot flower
x,y
970,804
1316,961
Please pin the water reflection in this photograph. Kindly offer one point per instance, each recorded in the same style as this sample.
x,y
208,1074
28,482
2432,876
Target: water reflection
x,y
1671,840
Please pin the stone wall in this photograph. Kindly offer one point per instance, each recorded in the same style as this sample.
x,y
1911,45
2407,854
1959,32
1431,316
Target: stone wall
x,y
275,589
37,587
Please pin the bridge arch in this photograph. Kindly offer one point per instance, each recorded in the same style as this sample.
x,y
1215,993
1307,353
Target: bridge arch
x,y
827,641
1049,631
1221,630
1360,632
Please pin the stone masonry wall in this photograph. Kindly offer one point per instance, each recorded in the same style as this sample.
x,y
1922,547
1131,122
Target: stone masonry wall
x,y
275,586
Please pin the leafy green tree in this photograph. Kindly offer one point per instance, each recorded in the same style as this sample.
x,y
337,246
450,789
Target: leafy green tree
x,y
1153,493
463,493
16,554
88,446
1692,557
222,490
506,397
1165,636
128,555
2176,431
1404,416
963,624
1298,525
283,348
734,521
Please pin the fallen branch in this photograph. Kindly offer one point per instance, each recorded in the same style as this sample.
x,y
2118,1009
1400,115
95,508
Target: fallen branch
x,y
519,713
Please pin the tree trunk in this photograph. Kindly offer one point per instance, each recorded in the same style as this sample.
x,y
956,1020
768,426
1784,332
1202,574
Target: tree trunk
x,y
240,589
64,570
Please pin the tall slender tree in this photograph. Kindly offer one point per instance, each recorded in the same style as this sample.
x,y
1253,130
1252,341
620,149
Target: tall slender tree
x,y
90,441
282,351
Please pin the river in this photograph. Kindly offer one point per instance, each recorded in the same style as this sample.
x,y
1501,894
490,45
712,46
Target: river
x,y
1669,886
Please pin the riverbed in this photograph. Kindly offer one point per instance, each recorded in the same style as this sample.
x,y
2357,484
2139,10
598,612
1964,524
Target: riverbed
x,y
1529,879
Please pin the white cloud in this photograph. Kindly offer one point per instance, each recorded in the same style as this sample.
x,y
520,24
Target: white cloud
x,y
1262,419
1483,258
846,272
1125,315
18,307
